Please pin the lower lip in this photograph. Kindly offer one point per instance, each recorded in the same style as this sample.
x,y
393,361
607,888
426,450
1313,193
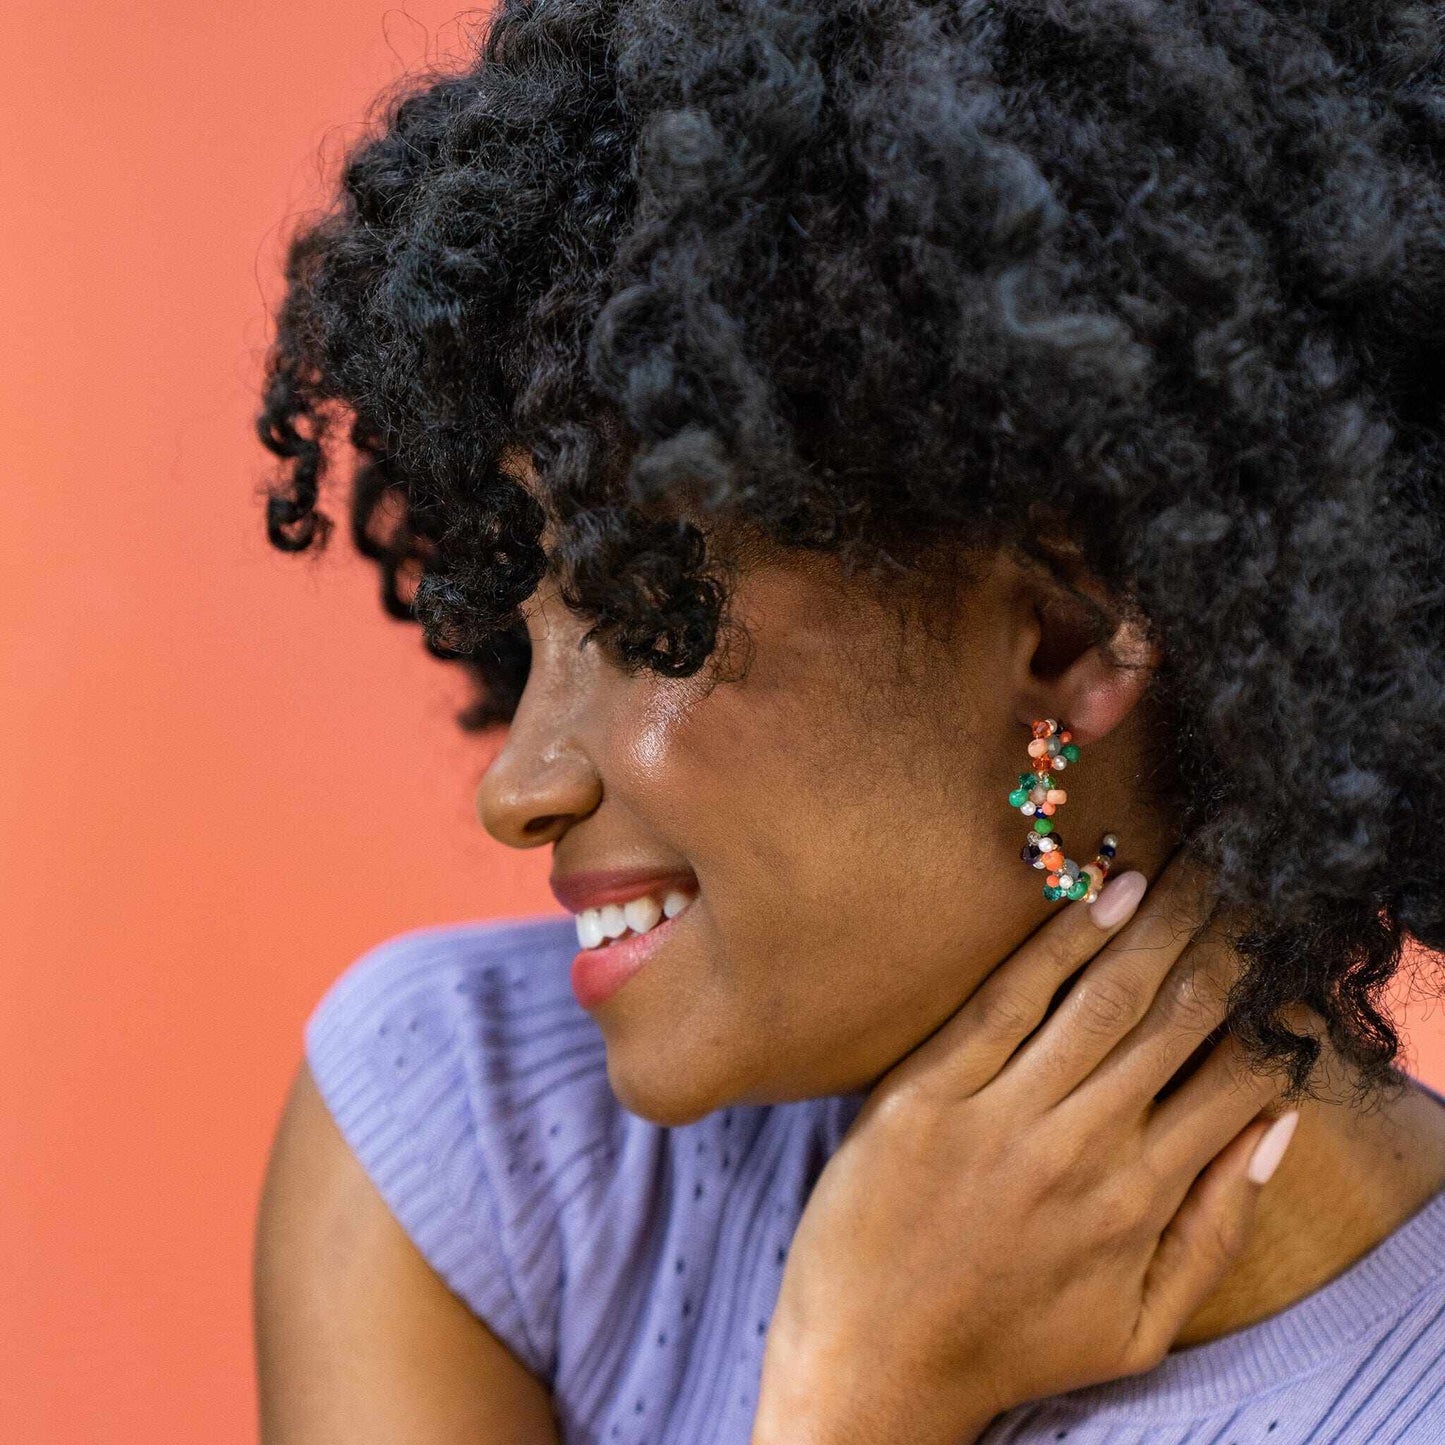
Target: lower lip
x,y
597,973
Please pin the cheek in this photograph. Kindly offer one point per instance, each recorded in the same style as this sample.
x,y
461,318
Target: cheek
x,y
834,876
855,875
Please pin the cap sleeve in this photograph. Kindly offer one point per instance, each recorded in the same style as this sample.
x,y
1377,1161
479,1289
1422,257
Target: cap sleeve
x,y
433,1052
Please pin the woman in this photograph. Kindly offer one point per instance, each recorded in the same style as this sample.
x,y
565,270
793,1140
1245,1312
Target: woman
x,y
809,423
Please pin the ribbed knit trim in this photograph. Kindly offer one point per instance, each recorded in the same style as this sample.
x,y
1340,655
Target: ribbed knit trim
x,y
1306,1337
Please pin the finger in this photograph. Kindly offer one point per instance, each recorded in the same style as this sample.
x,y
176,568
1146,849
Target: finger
x,y
1206,1235
1189,1128
976,1041
1187,1008
1113,993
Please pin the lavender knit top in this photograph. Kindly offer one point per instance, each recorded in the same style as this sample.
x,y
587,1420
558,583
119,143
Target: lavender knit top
x,y
633,1267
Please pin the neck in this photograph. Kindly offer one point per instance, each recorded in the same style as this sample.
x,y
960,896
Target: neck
x,y
1352,1175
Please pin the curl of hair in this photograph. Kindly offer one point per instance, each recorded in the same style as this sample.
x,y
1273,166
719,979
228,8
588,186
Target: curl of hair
x,y
873,275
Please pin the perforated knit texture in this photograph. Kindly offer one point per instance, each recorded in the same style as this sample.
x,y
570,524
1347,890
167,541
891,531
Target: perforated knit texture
x,y
634,1268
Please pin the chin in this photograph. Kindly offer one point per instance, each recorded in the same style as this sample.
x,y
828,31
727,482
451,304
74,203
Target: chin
x,y
659,1097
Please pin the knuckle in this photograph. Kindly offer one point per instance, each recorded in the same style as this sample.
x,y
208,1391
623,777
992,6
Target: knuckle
x,y
1193,1000
910,1128
1153,1195
1109,1003
1226,1235
1003,1013
1122,1211
1049,1164
901,1109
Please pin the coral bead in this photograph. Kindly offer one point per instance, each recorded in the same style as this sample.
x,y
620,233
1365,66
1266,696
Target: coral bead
x,y
1056,795
1053,880
1038,748
1095,872
1046,809
1066,736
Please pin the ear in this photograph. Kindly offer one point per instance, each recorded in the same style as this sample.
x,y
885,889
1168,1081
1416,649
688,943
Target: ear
x,y
1080,655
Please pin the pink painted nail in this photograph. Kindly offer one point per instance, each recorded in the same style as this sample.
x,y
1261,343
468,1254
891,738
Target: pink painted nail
x,y
1118,898
1270,1149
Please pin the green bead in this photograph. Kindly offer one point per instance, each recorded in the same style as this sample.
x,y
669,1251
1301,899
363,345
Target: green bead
x,y
1027,780
1018,797
1079,889
1052,893
1043,825
1046,780
1071,752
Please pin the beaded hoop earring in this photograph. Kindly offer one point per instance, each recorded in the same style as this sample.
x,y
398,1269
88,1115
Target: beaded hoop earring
x,y
1038,796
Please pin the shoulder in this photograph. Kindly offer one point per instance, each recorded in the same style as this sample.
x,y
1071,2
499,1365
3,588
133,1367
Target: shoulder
x,y
473,1088
470,1084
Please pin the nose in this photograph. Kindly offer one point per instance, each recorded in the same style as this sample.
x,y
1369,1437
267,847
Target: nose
x,y
544,778
535,789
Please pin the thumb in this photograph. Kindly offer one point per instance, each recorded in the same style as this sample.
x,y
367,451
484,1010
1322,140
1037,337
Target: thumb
x,y
1209,1231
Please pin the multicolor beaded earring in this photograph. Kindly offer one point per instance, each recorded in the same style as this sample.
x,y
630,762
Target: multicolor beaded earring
x,y
1038,797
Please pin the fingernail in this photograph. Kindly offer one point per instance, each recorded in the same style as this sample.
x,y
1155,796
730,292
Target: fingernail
x,y
1118,898
1270,1149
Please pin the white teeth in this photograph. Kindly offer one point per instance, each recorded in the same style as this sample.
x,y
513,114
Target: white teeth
x,y
641,913
598,925
589,928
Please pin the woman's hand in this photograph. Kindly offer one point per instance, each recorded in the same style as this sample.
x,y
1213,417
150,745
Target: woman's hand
x,y
1013,1213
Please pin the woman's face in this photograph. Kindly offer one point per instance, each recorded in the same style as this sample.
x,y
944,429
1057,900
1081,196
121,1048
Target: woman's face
x,y
842,807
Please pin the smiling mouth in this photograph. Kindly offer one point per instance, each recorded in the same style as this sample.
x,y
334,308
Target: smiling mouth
x,y
613,922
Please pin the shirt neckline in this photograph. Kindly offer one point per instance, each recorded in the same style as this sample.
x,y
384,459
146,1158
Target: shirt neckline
x,y
1322,1327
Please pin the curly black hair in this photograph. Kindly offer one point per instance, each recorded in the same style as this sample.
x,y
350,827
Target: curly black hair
x,y
872,275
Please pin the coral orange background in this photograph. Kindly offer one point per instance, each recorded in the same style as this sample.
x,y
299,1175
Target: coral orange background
x,y
227,773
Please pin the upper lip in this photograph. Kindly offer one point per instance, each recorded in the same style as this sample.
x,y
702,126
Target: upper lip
x,y
576,891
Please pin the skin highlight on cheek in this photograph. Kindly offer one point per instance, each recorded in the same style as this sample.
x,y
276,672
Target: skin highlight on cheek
x,y
840,798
